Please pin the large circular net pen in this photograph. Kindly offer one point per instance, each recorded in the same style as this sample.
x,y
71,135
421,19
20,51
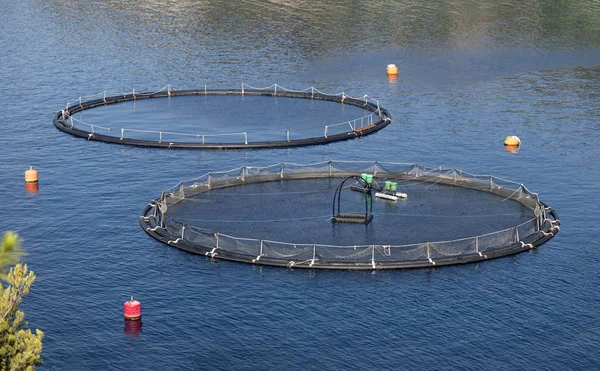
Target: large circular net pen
x,y
350,215
222,119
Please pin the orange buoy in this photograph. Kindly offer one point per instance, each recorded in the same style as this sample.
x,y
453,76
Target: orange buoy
x,y
132,310
392,69
31,175
512,140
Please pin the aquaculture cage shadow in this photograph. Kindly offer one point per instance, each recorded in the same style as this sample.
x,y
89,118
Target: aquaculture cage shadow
x,y
375,120
542,226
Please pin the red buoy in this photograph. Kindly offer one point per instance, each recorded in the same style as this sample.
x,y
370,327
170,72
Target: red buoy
x,y
132,310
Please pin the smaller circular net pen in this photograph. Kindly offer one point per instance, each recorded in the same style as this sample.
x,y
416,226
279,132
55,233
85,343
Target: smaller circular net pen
x,y
370,118
350,215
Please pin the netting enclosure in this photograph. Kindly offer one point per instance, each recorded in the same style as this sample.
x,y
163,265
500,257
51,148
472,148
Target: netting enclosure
x,y
280,215
223,133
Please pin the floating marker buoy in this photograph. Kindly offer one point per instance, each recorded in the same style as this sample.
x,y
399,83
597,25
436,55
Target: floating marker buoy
x,y
392,69
512,140
132,310
31,175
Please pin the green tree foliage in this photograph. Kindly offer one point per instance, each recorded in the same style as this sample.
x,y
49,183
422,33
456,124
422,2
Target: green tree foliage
x,y
10,252
19,348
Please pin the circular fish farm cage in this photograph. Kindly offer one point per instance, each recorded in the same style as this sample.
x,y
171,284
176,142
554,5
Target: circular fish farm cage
x,y
350,215
361,116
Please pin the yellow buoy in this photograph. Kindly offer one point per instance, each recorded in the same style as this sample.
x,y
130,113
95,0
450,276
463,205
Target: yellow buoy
x,y
31,175
392,69
512,140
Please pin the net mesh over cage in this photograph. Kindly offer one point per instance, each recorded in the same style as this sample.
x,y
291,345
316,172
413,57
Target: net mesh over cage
x,y
181,120
282,215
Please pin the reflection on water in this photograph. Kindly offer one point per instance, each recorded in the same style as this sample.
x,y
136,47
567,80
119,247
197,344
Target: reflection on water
x,y
280,31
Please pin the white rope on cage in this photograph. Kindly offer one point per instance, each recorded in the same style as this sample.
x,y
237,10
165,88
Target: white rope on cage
x,y
512,194
103,94
327,127
328,94
184,134
88,124
275,86
155,92
270,87
84,98
293,91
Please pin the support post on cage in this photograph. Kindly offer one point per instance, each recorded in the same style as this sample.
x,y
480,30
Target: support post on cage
x,y
245,138
429,252
275,93
182,231
343,96
281,170
92,126
72,124
287,134
160,137
208,181
516,234
104,97
330,168
242,89
122,133
373,256
377,105
133,93
217,237
312,92
261,250
169,90
325,133
477,245
491,182
312,261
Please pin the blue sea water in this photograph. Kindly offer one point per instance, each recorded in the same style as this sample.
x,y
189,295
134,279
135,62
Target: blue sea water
x,y
470,73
